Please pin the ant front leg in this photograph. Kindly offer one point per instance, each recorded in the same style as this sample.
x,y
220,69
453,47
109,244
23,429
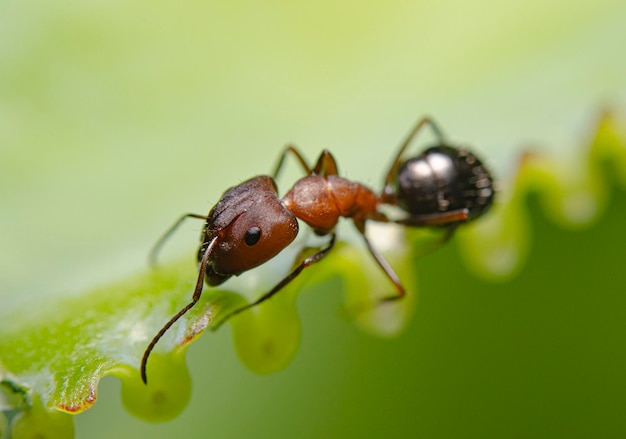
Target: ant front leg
x,y
388,193
291,276
325,165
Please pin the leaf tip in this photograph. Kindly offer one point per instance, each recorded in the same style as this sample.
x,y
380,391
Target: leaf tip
x,y
36,421
167,393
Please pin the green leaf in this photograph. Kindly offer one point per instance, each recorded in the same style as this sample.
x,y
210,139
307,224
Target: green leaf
x,y
53,356
59,352
56,356
37,422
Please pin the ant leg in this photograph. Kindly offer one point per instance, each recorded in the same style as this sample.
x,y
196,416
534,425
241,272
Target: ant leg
x,y
196,296
395,165
448,220
326,164
435,219
152,256
291,276
431,246
293,150
382,262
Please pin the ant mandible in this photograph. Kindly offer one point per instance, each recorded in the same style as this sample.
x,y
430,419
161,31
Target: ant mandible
x,y
442,187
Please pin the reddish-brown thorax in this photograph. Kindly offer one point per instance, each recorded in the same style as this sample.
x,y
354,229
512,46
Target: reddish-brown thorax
x,y
320,201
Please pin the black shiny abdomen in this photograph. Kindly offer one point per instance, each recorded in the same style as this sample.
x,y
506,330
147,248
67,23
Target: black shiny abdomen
x,y
443,179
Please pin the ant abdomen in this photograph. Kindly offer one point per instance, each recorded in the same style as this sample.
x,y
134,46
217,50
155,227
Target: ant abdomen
x,y
444,179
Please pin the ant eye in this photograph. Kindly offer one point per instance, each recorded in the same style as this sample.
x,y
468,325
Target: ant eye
x,y
252,236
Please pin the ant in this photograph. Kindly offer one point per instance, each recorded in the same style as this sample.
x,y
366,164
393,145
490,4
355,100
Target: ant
x,y
443,187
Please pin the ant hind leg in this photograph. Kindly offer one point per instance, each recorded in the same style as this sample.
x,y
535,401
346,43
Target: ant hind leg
x,y
397,161
449,219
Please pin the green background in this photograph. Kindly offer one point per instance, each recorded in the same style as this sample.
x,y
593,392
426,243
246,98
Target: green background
x,y
115,117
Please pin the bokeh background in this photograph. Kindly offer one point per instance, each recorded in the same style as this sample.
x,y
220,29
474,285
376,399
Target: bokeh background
x,y
115,117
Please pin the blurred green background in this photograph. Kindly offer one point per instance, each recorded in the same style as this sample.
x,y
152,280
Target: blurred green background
x,y
115,117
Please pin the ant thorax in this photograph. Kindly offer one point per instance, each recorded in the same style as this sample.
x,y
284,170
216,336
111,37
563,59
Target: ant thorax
x,y
320,201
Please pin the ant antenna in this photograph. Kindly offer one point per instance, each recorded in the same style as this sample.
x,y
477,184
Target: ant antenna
x,y
196,296
152,256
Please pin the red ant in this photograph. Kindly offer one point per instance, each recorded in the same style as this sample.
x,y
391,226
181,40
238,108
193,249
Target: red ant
x,y
442,187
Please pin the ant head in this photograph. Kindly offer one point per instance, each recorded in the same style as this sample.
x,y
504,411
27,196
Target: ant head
x,y
251,227
444,178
